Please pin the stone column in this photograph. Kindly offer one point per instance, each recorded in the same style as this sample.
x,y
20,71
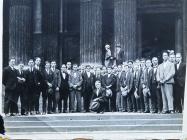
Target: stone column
x,y
184,29
139,39
50,29
37,29
178,35
61,30
125,26
184,129
20,30
1,61
91,31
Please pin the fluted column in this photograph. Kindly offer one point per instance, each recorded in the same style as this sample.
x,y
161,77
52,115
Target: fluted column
x,y
178,35
50,29
125,26
61,30
91,31
184,30
139,39
37,29
20,30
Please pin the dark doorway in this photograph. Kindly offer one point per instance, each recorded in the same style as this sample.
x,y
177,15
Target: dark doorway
x,y
158,34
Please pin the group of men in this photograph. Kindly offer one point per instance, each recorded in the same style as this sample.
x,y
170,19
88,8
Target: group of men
x,y
132,86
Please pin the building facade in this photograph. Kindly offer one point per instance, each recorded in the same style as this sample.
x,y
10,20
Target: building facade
x,y
77,30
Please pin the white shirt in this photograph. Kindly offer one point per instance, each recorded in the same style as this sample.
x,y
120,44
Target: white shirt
x,y
64,75
53,69
47,70
88,74
97,92
178,65
37,67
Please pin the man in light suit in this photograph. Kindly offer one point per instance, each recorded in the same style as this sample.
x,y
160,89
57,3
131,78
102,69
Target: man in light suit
x,y
179,85
56,85
75,84
165,77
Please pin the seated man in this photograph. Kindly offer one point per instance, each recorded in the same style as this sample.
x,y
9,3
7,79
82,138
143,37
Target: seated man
x,y
98,100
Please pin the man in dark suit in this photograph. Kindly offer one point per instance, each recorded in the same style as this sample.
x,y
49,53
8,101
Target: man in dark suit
x,y
75,84
88,87
10,82
118,91
180,74
156,91
136,86
21,88
119,55
69,69
47,89
56,85
109,83
142,69
146,81
126,83
31,85
39,84
64,89
99,95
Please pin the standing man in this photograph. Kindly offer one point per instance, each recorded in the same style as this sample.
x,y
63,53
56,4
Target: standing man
x,y
146,82
88,87
108,55
64,89
179,85
136,86
10,83
56,85
69,69
47,89
21,88
156,91
75,84
39,83
31,84
165,76
118,91
119,55
109,85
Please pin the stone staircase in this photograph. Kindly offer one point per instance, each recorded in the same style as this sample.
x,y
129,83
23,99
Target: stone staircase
x,y
91,122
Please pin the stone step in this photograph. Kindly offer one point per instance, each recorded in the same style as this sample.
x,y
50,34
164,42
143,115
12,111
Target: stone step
x,y
91,122
145,127
92,116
